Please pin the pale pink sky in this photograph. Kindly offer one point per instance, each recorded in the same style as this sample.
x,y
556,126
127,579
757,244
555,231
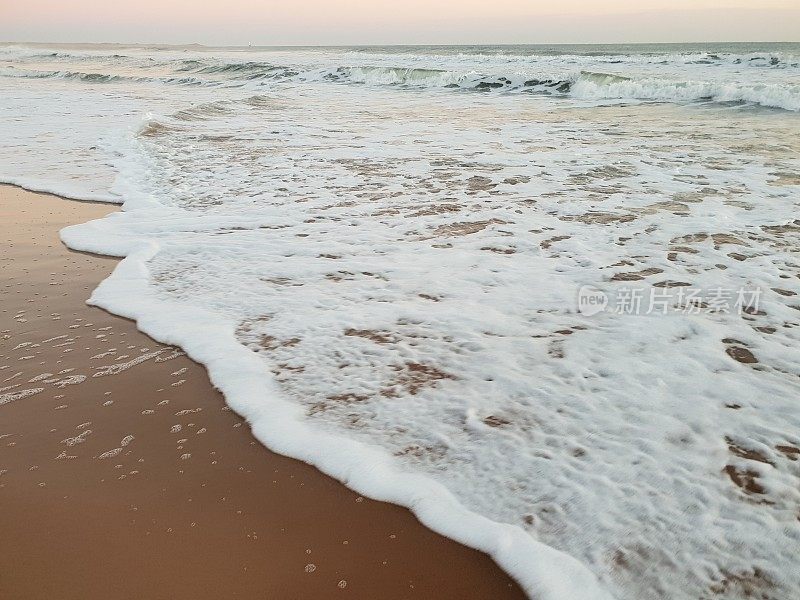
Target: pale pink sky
x,y
272,22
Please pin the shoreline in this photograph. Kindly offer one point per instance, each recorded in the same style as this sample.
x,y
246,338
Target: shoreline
x,y
127,456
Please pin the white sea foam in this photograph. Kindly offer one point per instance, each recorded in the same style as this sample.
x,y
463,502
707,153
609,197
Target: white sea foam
x,y
382,277
18,395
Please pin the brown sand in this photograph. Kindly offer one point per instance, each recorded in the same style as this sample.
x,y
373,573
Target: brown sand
x,y
87,512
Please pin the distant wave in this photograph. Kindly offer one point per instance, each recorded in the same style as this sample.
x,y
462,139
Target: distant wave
x,y
625,54
79,75
585,85
578,84
90,77
244,70
772,60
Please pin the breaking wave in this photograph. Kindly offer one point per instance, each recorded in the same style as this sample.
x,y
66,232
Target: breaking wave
x,y
594,86
585,85
577,84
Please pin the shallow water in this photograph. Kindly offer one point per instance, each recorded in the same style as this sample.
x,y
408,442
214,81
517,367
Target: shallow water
x,y
387,257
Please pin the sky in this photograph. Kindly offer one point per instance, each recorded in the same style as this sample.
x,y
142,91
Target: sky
x,y
323,22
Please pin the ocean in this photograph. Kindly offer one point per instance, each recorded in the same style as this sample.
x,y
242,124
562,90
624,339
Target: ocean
x,y
547,297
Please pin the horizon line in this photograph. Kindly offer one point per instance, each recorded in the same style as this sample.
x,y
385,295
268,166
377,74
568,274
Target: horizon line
x,y
395,45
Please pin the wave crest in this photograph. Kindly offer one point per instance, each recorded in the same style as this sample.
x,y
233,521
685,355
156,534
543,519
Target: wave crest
x,y
651,83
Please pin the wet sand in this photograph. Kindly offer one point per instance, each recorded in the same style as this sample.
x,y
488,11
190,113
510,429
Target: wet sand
x,y
123,474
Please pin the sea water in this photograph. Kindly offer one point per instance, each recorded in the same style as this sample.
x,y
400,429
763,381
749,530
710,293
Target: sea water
x,y
546,297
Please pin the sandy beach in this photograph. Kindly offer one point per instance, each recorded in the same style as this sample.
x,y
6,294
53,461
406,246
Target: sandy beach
x,y
124,475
